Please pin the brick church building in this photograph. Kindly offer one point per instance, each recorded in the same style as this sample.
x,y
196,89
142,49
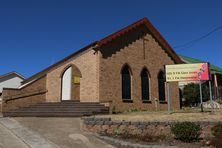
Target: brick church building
x,y
124,70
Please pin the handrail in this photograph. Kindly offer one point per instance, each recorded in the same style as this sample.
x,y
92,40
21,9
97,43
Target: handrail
x,y
19,96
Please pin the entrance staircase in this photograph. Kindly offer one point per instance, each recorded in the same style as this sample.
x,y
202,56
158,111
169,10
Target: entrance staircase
x,y
59,109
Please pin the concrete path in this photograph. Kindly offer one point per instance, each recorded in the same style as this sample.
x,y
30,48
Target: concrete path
x,y
15,135
64,132
9,140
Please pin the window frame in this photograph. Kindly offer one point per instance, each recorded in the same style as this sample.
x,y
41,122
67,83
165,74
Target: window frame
x,y
162,97
129,73
148,100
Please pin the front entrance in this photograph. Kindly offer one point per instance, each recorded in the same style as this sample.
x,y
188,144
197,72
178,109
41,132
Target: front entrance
x,y
66,84
70,80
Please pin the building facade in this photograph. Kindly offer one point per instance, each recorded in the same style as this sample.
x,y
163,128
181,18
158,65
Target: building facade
x,y
11,80
215,76
124,70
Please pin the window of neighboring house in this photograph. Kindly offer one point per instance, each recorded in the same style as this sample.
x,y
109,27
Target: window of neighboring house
x,y
126,83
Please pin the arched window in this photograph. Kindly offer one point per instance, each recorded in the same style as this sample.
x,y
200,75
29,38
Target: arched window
x,y
145,84
126,82
161,86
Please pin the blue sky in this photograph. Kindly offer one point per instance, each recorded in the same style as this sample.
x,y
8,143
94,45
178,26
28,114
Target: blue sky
x,y
36,33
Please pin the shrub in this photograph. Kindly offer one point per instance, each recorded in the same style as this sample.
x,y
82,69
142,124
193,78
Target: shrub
x,y
217,130
126,133
216,141
191,94
116,132
186,131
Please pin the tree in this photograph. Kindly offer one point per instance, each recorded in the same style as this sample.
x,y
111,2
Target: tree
x,y
191,94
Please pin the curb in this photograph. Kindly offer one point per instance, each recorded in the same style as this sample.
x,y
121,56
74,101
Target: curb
x,y
124,144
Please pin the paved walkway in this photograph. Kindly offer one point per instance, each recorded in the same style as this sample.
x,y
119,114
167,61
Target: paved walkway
x,y
14,134
46,133
64,132
9,140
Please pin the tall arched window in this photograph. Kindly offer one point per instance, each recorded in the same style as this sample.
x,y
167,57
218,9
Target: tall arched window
x,y
161,86
145,84
126,82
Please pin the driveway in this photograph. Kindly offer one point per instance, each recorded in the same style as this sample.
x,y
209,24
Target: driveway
x,y
64,132
47,132
9,140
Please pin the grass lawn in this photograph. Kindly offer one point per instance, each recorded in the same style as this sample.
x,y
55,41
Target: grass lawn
x,y
180,115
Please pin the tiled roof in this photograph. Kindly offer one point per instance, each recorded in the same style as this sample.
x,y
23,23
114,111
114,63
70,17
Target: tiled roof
x,y
12,73
213,68
109,38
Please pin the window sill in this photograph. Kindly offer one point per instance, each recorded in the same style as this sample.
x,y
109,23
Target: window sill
x,y
163,102
127,100
146,101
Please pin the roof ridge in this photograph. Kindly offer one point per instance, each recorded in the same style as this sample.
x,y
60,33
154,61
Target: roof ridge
x,y
12,72
120,31
108,38
59,62
156,34
213,66
191,58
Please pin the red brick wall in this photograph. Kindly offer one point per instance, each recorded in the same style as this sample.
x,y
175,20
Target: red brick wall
x,y
86,62
130,49
28,95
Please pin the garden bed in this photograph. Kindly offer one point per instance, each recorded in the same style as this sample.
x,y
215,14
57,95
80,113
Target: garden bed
x,y
154,128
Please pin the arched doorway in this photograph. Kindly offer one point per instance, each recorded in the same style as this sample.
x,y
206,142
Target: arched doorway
x,y
70,83
66,84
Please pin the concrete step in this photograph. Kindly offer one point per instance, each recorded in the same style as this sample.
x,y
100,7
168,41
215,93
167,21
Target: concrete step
x,y
48,111
59,109
66,107
67,104
44,114
70,102
74,106
63,110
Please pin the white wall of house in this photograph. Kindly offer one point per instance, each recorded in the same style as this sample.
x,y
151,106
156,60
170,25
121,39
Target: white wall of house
x,y
14,82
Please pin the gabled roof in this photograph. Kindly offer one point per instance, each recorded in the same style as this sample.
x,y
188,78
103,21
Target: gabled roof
x,y
44,71
12,73
213,68
153,31
109,38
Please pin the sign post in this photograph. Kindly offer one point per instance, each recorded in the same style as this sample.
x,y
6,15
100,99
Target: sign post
x,y
211,98
201,97
187,72
169,101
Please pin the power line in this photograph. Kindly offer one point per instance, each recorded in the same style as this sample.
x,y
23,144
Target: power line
x,y
192,42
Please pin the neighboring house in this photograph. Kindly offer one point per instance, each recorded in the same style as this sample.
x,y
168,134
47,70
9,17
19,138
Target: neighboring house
x,y
10,80
216,76
124,70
